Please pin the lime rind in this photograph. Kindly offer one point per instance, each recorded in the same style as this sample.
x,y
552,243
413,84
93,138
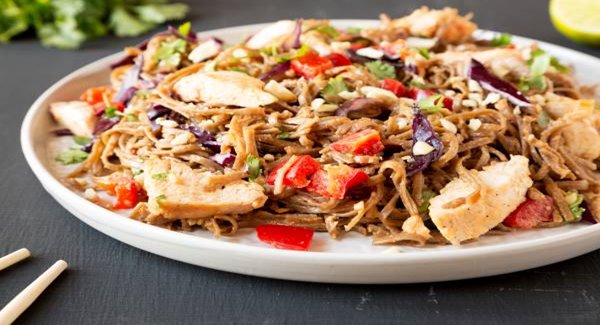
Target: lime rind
x,y
578,20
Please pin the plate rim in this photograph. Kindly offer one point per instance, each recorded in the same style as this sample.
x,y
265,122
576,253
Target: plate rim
x,y
110,219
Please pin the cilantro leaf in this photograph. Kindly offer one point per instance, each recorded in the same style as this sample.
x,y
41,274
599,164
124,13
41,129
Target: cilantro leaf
x,y
503,39
302,51
543,119
170,52
124,23
160,198
72,156
81,140
575,200
334,87
283,135
426,195
253,166
381,70
431,104
185,28
424,53
160,176
110,112
160,13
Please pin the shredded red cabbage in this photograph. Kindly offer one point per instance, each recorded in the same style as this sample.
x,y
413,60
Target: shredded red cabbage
x,y
157,111
423,131
357,104
277,71
490,82
224,159
587,214
105,124
294,41
62,132
204,138
129,83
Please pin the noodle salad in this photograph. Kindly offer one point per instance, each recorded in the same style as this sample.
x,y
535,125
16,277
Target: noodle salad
x,y
414,132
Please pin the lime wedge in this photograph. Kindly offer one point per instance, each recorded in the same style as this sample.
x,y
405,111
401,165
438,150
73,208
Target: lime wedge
x,y
579,20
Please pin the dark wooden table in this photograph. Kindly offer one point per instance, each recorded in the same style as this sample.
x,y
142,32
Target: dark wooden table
x,y
111,283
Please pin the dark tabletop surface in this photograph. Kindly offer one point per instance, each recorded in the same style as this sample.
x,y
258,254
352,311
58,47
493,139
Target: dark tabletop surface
x,y
109,282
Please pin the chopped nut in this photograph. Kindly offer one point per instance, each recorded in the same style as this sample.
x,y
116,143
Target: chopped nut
x,y
280,91
402,122
347,95
422,148
491,98
166,123
474,86
370,52
474,124
448,126
239,53
182,138
383,95
316,103
469,103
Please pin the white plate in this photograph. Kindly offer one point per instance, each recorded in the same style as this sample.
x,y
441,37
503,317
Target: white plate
x,y
350,260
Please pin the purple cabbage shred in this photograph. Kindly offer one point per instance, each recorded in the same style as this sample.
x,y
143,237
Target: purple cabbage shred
x,y
277,71
587,214
62,132
129,83
357,104
224,159
423,131
490,82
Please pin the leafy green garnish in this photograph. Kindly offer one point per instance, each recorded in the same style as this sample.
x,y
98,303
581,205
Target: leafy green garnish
x,y
543,119
327,30
160,198
417,82
539,63
130,118
302,51
424,53
238,69
81,140
110,112
170,52
575,199
426,195
353,30
185,28
334,87
68,23
553,60
381,70
431,104
283,135
254,167
160,176
72,156
503,39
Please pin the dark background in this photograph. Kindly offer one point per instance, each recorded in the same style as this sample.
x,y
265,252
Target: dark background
x,y
111,283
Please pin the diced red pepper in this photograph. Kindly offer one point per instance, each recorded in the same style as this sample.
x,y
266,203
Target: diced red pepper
x,y
336,181
365,142
95,97
125,189
417,94
298,174
530,213
394,86
338,60
285,237
311,65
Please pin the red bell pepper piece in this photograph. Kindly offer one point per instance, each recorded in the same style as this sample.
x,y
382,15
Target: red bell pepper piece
x,y
394,86
311,65
124,188
338,60
530,213
365,142
285,237
95,97
336,181
298,174
417,94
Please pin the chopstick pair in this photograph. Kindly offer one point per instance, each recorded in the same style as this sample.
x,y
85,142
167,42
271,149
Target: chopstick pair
x,y
25,298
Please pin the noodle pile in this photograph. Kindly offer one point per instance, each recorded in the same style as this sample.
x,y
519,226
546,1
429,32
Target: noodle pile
x,y
479,129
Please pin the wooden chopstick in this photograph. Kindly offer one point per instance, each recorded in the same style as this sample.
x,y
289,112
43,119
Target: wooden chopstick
x,y
26,297
13,258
